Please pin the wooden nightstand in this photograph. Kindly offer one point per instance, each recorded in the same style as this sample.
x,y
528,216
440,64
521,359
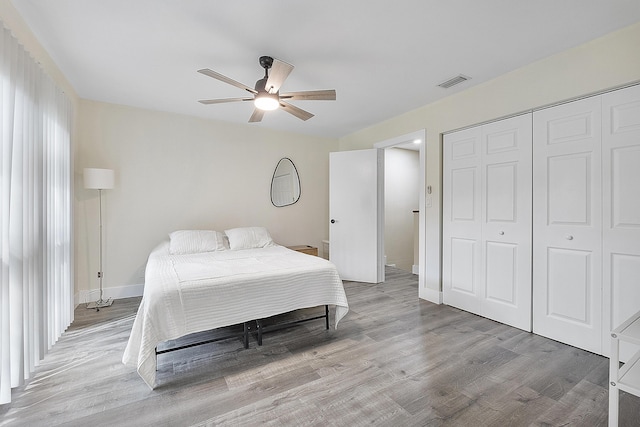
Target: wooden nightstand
x,y
305,249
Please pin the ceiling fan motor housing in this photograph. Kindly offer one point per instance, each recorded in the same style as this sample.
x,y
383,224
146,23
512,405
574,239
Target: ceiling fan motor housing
x,y
261,85
266,62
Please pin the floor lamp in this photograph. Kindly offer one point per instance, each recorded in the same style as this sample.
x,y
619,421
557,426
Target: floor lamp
x,y
99,179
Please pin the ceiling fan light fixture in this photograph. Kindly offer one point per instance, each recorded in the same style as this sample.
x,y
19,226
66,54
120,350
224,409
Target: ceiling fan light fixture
x,y
266,94
266,101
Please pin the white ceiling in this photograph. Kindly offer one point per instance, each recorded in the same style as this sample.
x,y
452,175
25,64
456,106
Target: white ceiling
x,y
383,57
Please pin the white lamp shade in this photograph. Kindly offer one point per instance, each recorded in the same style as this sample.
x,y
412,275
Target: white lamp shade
x,y
98,179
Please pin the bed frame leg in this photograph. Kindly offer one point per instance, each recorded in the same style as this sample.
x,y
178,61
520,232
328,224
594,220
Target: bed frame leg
x,y
259,324
326,313
245,336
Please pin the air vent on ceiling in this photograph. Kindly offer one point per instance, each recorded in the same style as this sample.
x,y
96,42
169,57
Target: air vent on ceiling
x,y
454,81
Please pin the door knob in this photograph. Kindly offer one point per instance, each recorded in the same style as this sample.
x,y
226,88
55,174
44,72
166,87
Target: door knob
x,y
333,221
569,237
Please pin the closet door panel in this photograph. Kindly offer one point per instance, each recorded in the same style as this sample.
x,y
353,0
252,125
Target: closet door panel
x,y
624,273
625,209
464,201
621,208
569,285
463,259
487,221
461,233
506,221
567,256
501,181
501,273
573,171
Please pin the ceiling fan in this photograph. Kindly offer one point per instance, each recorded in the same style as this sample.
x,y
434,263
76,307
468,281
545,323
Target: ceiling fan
x,y
266,94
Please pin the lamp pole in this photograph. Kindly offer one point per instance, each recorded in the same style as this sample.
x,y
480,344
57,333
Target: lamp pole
x,y
99,179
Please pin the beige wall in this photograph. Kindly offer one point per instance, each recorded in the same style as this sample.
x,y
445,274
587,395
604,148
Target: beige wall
x,y
603,63
177,172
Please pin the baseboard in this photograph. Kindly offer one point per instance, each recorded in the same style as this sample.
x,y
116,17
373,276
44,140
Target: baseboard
x,y
118,292
415,269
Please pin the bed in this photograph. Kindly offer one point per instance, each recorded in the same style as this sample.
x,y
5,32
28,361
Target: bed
x,y
201,280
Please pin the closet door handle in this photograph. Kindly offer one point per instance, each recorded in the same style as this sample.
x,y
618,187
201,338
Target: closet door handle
x,y
569,237
501,233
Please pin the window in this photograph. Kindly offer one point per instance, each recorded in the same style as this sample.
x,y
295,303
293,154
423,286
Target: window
x,y
36,286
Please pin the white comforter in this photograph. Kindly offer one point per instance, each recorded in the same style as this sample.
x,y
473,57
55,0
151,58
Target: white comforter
x,y
184,294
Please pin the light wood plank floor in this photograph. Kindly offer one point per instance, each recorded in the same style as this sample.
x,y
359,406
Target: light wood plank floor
x,y
394,361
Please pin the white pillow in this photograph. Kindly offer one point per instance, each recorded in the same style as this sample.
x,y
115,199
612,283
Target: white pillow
x,y
248,238
195,241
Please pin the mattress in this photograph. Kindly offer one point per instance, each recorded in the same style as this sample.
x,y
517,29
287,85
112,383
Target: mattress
x,y
190,293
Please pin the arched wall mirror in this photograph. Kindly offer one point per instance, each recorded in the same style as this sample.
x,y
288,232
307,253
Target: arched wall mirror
x,y
285,184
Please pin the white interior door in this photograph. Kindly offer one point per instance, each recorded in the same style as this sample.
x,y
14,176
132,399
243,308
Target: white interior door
x,y
487,221
567,290
356,210
621,209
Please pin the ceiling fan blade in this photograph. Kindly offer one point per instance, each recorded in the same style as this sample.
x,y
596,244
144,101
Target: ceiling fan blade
x,y
298,112
218,76
319,95
222,101
280,70
256,116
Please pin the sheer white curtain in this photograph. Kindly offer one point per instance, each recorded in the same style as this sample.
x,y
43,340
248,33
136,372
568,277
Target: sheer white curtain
x,y
36,287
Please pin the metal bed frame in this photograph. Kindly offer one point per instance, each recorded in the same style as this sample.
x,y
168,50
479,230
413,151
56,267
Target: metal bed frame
x,y
260,330
264,329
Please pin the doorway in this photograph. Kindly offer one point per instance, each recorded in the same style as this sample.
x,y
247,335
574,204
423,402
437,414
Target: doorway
x,y
415,140
401,201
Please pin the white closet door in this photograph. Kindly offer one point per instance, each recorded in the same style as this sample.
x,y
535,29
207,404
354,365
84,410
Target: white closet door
x,y
621,209
462,224
567,260
506,221
487,221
